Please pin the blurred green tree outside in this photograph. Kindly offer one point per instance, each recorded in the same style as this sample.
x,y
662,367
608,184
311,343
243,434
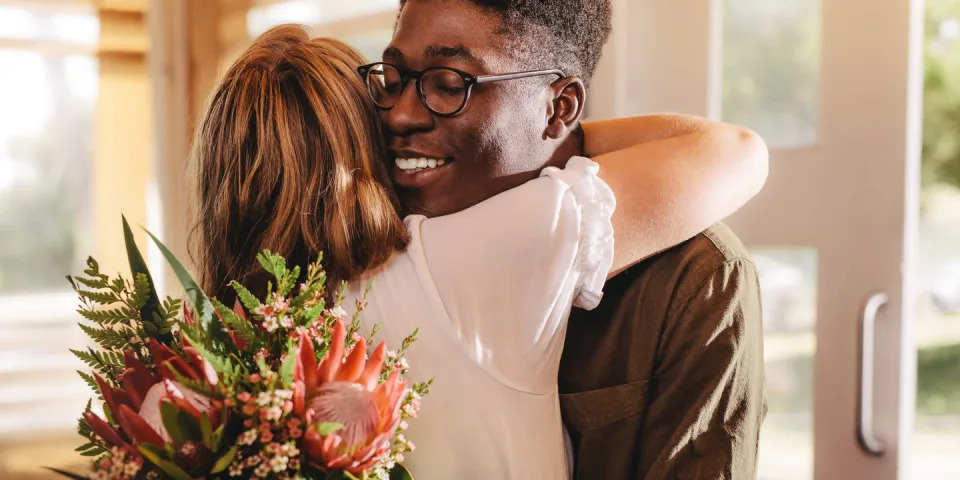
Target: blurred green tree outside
x,y
42,208
771,69
941,98
770,74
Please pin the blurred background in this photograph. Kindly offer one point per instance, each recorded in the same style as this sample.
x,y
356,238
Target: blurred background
x,y
98,99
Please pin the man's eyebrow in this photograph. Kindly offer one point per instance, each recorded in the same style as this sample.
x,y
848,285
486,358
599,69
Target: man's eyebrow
x,y
458,51
393,52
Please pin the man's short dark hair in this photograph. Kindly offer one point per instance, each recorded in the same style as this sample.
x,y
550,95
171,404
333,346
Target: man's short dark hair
x,y
564,34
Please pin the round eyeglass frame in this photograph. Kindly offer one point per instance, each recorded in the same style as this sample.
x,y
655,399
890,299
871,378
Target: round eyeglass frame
x,y
469,80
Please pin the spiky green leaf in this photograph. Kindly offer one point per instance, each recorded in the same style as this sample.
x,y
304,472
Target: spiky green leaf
x,y
399,472
286,368
156,456
170,415
66,473
138,267
215,334
206,431
224,461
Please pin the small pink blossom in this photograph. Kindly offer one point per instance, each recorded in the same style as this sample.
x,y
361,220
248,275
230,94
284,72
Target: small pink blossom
x,y
265,310
281,305
248,437
270,324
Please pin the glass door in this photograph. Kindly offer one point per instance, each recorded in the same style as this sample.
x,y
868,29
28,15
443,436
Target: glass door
x,y
835,89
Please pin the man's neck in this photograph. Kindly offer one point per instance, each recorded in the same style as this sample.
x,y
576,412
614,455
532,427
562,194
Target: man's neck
x,y
571,146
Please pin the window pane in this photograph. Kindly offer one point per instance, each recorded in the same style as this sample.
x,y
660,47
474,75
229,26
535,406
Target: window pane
x,y
935,444
788,283
76,26
312,12
46,141
370,43
46,133
369,37
936,427
771,68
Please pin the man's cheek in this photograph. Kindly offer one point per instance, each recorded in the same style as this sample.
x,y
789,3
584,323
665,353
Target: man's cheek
x,y
492,147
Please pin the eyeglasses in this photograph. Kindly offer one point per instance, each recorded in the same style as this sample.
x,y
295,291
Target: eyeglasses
x,y
443,90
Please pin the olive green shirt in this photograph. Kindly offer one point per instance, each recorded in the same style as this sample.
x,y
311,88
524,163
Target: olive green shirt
x,y
664,380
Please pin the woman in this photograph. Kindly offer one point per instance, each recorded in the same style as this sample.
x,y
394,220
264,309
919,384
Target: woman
x,y
291,159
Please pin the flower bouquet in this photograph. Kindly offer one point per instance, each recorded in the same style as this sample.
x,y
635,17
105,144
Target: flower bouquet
x,y
281,387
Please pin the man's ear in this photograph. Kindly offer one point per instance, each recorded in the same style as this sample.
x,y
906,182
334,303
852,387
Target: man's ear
x,y
569,95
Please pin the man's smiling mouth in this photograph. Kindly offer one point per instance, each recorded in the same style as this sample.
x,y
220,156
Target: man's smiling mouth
x,y
418,164
416,170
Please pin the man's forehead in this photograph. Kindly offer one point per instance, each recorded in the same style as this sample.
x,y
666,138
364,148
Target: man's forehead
x,y
434,53
432,32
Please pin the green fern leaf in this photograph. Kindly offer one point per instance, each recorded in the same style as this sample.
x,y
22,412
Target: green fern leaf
x,y
249,301
94,283
240,327
88,379
103,298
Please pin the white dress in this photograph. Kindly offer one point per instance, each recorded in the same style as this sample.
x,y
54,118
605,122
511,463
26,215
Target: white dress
x,y
491,289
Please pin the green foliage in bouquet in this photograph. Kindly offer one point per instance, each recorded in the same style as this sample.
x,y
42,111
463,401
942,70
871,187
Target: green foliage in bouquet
x,y
233,392
123,315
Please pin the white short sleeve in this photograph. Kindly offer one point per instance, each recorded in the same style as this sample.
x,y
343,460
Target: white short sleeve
x,y
596,203
507,269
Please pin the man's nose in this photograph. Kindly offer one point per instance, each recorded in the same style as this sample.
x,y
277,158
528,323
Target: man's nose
x,y
408,115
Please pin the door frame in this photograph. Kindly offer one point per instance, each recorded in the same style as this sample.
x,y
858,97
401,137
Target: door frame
x,y
854,196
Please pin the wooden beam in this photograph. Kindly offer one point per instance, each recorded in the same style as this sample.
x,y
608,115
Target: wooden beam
x,y
123,32
122,164
130,6
51,47
352,25
192,44
59,6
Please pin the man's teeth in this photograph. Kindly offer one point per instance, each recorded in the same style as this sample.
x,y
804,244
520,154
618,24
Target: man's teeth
x,y
419,163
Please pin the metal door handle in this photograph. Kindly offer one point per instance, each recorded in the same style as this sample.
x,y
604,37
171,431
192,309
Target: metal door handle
x,y
868,318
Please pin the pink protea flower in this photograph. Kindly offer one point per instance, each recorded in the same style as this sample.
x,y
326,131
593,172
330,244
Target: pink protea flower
x,y
346,392
136,406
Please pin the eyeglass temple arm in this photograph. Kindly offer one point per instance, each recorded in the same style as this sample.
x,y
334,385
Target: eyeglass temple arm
x,y
514,76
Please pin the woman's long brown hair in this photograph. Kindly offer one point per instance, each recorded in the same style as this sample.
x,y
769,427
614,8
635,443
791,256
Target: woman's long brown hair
x,y
289,157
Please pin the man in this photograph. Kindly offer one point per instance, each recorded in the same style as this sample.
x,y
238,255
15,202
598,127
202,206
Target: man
x,y
664,379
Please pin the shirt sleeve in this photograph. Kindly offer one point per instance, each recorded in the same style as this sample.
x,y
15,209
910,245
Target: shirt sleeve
x,y
503,266
707,400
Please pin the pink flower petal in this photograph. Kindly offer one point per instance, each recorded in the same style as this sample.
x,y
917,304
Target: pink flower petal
x,y
137,427
356,362
331,364
104,429
305,368
371,374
